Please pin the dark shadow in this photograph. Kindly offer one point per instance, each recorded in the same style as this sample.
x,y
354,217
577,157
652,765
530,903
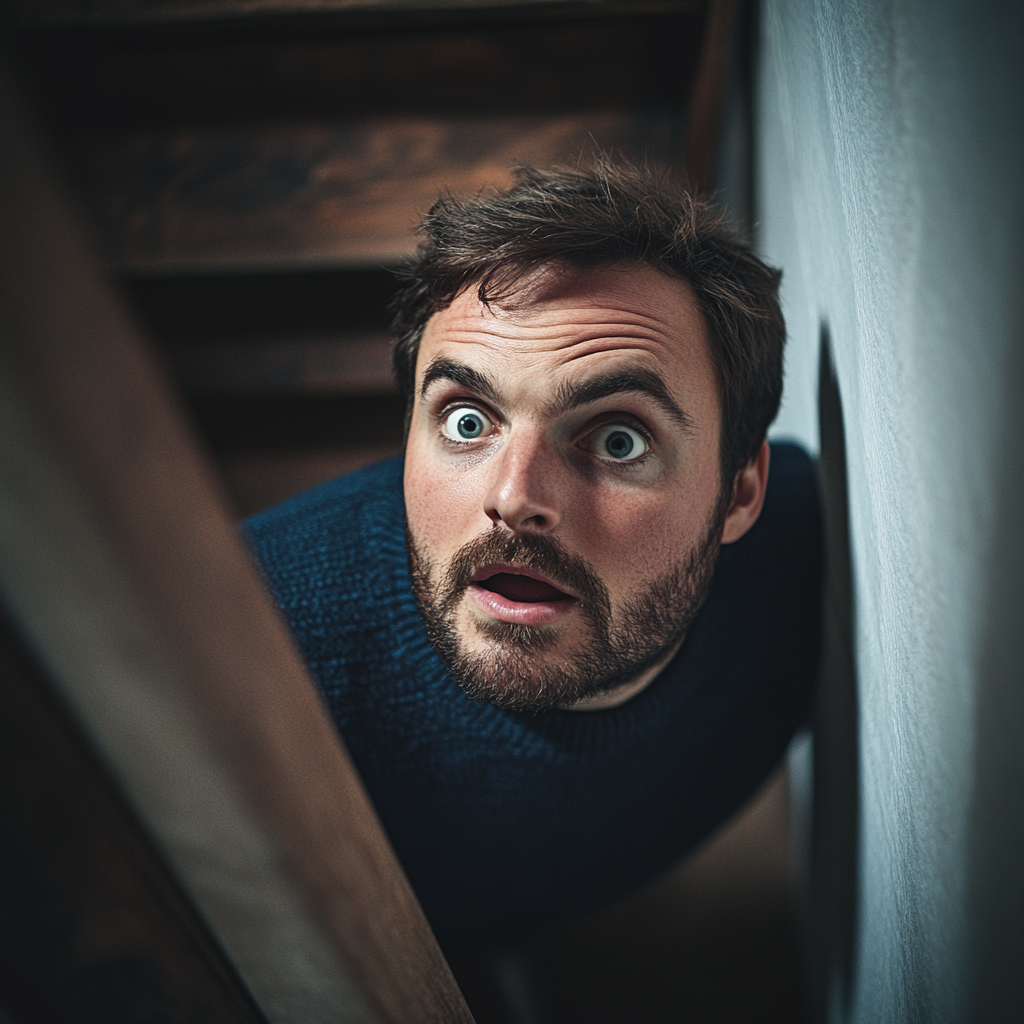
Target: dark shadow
x,y
995,830
93,925
734,171
835,830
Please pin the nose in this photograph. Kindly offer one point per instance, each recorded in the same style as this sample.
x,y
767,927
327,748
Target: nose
x,y
524,488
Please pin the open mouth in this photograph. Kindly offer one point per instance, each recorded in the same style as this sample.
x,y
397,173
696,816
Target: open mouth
x,y
524,589
503,594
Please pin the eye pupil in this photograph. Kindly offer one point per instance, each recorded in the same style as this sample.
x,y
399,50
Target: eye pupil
x,y
470,426
619,444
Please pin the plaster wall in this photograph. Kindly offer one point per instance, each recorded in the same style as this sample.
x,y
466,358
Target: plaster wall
x,y
888,169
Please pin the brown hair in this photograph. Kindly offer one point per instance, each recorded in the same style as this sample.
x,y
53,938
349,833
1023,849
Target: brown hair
x,y
599,217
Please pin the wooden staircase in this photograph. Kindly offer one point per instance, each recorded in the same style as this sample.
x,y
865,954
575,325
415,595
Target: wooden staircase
x,y
256,170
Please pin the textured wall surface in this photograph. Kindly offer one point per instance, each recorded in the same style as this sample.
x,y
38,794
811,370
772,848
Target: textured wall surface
x,y
889,172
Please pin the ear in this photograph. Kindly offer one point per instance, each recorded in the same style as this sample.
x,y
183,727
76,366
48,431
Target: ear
x,y
747,496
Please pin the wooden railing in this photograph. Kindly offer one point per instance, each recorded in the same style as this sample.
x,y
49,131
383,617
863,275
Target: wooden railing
x,y
123,572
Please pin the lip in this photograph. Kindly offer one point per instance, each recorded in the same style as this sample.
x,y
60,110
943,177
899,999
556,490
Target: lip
x,y
525,613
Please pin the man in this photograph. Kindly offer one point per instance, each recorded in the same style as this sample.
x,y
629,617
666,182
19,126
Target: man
x,y
552,679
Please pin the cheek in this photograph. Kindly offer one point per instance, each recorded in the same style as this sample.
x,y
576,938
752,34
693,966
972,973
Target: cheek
x,y
633,538
438,503
630,541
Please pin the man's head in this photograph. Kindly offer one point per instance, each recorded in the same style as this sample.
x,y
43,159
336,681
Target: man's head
x,y
591,362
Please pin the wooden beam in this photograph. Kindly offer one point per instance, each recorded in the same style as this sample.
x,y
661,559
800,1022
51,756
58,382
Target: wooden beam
x,y
94,925
707,98
122,569
317,195
241,151
74,12
357,364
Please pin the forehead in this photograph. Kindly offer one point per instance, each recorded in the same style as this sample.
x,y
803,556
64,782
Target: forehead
x,y
567,324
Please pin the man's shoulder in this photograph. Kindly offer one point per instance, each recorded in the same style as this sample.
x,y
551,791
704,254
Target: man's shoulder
x,y
334,537
771,577
792,501
379,484
789,526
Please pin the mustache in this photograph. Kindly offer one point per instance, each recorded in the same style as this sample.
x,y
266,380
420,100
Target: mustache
x,y
538,552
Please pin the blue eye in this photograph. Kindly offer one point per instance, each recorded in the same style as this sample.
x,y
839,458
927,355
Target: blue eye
x,y
466,424
615,441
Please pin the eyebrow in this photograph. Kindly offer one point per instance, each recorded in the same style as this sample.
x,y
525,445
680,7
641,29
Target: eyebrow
x,y
443,368
618,382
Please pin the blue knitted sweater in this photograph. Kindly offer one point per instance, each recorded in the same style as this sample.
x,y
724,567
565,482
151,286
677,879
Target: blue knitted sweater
x,y
507,822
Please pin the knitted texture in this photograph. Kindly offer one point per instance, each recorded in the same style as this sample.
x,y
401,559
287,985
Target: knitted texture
x,y
507,822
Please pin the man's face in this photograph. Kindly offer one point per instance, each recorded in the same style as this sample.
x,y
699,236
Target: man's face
x,y
562,483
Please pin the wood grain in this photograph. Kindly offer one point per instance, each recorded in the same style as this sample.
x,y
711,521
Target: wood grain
x,y
357,364
132,80
705,108
297,195
214,151
76,12
122,567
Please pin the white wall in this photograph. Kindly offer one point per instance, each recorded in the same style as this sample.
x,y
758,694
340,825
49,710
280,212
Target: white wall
x,y
888,173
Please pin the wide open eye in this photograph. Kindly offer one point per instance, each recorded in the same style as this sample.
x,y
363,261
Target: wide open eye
x,y
614,441
467,424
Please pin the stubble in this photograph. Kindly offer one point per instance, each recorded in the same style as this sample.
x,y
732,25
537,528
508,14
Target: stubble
x,y
520,668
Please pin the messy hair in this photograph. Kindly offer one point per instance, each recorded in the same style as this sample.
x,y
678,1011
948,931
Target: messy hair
x,y
598,217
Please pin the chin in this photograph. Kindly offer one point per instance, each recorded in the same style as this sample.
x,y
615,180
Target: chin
x,y
589,650
519,668
519,681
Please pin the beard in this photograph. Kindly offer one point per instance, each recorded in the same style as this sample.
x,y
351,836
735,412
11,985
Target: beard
x,y
517,668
